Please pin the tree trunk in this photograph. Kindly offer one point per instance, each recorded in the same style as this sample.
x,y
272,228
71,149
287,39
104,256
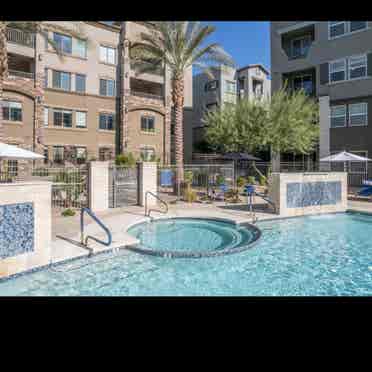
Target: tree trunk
x,y
3,72
178,98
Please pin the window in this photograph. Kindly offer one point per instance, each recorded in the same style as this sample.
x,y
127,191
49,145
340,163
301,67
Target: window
x,y
148,123
357,66
81,119
355,26
106,87
230,87
63,42
304,82
80,48
105,153
107,54
337,70
46,116
147,153
62,118
338,116
46,78
211,85
12,111
336,28
13,168
46,155
300,46
81,154
58,154
61,80
80,83
106,121
358,114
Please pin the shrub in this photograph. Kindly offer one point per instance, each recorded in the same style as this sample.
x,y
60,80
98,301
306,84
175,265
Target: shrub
x,y
262,180
251,180
127,160
188,177
220,179
189,195
240,182
68,212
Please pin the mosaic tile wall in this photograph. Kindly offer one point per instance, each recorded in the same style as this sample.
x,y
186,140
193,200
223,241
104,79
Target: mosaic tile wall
x,y
16,229
313,193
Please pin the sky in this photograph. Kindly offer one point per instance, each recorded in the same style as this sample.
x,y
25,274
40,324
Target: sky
x,y
247,42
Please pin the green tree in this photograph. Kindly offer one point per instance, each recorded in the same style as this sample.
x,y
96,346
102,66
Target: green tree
x,y
287,123
178,45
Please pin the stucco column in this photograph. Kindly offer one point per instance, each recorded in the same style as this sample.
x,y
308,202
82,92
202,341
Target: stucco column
x,y
275,161
99,185
147,181
324,135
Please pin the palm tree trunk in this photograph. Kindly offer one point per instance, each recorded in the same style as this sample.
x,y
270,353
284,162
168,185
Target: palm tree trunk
x,y
178,99
3,72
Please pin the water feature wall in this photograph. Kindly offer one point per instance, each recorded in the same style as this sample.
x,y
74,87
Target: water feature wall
x,y
298,194
25,226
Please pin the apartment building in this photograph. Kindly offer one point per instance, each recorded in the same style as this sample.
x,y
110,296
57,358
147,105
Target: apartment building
x,y
331,61
91,103
226,87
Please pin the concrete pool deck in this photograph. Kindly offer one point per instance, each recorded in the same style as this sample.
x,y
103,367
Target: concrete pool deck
x,y
120,219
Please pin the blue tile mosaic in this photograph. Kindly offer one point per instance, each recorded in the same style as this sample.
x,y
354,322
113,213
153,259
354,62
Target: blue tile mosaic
x,y
313,193
16,229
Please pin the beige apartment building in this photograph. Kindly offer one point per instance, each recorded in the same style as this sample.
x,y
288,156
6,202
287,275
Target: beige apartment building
x,y
71,108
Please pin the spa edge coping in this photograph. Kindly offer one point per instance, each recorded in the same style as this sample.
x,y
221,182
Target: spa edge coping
x,y
25,183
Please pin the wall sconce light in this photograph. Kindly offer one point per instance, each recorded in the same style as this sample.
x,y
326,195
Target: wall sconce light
x,y
40,57
38,99
126,110
126,74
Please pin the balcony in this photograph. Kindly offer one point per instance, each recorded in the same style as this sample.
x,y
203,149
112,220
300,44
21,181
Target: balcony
x,y
21,66
20,37
304,79
146,89
157,71
22,74
296,44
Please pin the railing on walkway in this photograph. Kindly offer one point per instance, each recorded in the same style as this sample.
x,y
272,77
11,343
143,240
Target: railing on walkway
x,y
147,95
85,239
16,36
22,74
148,211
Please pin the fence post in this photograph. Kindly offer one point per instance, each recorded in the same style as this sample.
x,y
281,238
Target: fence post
x,y
98,187
147,181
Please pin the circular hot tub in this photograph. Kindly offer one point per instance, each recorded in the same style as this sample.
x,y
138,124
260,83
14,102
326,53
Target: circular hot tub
x,y
192,237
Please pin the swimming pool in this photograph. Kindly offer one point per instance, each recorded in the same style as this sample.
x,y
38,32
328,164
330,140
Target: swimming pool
x,y
319,255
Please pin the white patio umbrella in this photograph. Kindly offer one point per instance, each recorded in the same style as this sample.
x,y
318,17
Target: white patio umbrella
x,y
344,157
10,152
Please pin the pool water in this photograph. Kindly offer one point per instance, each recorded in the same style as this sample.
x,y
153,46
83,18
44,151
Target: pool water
x,y
320,255
188,237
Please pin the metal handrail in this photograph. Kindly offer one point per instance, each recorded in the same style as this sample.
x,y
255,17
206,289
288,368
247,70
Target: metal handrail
x,y
147,212
84,241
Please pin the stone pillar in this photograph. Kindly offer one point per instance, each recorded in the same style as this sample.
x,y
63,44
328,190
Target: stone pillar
x,y
124,91
99,185
147,181
275,162
168,115
25,226
324,135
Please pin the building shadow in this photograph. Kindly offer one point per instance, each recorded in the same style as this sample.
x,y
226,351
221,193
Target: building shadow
x,y
259,207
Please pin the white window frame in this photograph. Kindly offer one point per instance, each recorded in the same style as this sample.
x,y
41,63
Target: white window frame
x,y
365,104
348,66
230,83
77,113
347,29
146,148
105,59
330,72
46,116
337,116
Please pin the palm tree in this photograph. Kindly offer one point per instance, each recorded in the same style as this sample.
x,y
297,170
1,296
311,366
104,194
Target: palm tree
x,y
177,46
37,28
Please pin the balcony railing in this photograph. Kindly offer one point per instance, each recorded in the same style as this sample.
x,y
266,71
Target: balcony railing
x,y
22,74
156,71
146,95
20,37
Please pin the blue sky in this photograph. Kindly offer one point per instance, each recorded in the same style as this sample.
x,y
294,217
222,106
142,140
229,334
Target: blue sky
x,y
247,42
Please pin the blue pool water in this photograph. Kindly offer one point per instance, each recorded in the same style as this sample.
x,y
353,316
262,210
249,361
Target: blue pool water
x,y
190,237
320,255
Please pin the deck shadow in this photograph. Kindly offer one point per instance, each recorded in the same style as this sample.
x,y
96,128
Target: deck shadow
x,y
263,208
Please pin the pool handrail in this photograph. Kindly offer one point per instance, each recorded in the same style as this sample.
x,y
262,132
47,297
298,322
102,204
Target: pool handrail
x,y
148,211
84,240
